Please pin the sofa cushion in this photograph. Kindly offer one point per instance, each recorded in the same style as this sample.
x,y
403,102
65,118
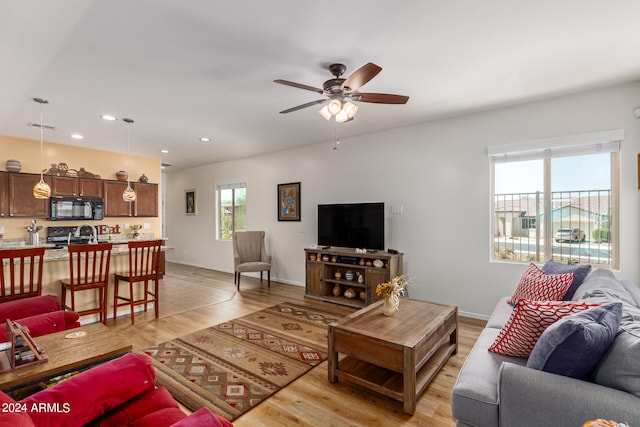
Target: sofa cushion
x,y
94,392
46,323
535,284
203,417
11,414
574,344
619,367
579,271
528,321
475,396
26,307
500,314
599,279
154,400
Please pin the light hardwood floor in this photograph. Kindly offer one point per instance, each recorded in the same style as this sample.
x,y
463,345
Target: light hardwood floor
x,y
194,298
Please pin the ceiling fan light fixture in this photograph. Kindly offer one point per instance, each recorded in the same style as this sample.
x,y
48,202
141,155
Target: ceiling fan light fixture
x,y
342,116
334,106
324,112
350,109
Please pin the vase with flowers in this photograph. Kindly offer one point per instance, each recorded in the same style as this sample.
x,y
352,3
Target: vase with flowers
x,y
391,292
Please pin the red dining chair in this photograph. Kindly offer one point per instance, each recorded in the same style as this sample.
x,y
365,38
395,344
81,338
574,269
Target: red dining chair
x,y
21,277
89,270
143,268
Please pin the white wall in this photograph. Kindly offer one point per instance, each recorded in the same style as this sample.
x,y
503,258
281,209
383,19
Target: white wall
x,y
439,173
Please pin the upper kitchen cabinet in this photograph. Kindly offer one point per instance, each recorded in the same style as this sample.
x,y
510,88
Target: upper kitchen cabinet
x,y
4,197
73,186
146,204
20,193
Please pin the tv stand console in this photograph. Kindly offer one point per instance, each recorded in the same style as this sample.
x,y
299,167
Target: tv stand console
x,y
344,276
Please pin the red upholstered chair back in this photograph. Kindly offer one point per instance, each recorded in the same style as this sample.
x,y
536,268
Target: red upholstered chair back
x,y
20,273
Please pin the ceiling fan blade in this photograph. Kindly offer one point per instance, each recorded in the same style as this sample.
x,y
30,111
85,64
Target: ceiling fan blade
x,y
361,76
381,98
300,107
299,85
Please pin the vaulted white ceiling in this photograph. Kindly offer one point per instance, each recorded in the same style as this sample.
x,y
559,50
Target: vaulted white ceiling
x,y
192,68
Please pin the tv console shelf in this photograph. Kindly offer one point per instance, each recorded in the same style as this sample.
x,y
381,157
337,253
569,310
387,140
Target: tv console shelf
x,y
327,272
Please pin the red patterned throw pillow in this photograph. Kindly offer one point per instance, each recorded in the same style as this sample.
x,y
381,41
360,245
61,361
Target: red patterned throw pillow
x,y
537,285
528,321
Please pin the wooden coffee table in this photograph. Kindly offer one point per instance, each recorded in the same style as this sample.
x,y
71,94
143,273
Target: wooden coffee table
x,y
66,355
395,356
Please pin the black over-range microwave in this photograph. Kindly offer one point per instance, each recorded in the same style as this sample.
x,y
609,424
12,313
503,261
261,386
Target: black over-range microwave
x,y
76,208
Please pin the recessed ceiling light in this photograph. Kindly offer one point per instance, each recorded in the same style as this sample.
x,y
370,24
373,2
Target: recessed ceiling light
x,y
108,117
164,151
205,139
76,136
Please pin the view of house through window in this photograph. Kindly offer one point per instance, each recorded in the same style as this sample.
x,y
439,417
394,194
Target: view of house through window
x,y
561,207
232,202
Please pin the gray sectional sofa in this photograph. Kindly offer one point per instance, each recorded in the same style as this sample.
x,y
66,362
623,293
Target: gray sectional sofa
x,y
496,390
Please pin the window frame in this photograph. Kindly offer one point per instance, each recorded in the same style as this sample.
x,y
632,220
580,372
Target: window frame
x,y
233,186
545,150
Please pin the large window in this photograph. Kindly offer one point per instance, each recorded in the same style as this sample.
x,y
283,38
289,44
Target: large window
x,y
231,207
557,199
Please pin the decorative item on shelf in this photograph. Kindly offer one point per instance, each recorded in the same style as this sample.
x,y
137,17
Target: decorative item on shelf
x,y
363,295
122,175
361,261
337,291
143,178
61,169
349,275
312,257
368,263
13,166
391,292
378,263
600,422
41,190
325,258
350,293
337,275
360,278
334,259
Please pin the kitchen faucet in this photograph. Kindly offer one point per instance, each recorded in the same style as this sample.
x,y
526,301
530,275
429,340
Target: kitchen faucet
x,y
94,233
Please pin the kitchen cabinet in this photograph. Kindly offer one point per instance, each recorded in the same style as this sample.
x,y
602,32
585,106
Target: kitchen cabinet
x,y
146,204
4,197
73,186
20,196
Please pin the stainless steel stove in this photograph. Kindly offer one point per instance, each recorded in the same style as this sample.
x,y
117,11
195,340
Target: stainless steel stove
x,y
62,236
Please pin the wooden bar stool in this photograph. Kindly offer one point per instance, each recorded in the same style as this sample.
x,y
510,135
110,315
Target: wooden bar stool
x,y
88,269
22,276
143,267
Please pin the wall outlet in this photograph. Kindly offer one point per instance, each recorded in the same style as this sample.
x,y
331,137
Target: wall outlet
x,y
127,226
146,226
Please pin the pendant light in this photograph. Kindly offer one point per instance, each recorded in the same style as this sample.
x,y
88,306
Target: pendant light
x,y
41,190
128,195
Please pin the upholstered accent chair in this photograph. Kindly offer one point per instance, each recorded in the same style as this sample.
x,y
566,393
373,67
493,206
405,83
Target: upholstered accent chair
x,y
250,255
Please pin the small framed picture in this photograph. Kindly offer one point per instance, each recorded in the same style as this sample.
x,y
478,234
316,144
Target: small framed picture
x,y
190,202
289,202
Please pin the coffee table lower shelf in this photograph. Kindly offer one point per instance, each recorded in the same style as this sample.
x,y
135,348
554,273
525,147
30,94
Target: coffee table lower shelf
x,y
390,383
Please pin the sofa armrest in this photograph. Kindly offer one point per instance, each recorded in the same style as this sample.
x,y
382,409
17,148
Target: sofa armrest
x,y
531,398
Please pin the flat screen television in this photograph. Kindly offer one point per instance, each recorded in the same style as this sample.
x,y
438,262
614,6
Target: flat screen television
x,y
351,225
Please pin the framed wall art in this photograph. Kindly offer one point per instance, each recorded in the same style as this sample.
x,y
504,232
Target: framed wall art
x,y
289,202
190,202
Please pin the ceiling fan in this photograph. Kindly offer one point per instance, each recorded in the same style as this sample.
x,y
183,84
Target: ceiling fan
x,y
339,92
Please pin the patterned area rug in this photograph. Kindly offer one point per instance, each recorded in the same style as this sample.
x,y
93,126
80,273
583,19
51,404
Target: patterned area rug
x,y
233,366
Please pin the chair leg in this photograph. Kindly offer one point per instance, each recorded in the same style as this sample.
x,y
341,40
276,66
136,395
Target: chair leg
x,y
235,277
269,278
238,282
157,298
261,277
116,283
133,320
105,304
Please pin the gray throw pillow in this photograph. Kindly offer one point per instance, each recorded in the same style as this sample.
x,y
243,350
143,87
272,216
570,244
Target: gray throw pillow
x,y
573,345
579,271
